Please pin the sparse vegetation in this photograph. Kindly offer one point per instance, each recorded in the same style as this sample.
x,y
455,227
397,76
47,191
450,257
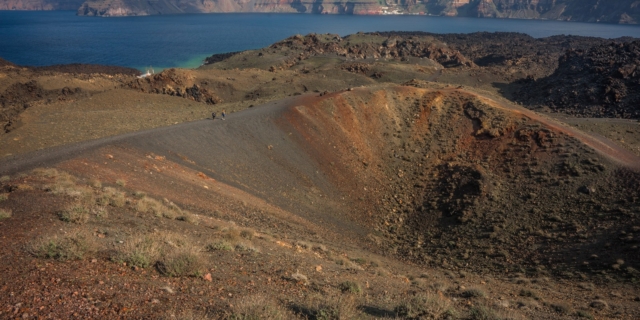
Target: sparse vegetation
x,y
4,197
139,194
5,213
5,178
425,306
329,308
139,251
584,314
75,246
247,234
220,246
95,183
299,277
529,293
121,182
75,213
256,307
350,287
247,247
180,262
561,308
188,217
484,312
111,196
473,293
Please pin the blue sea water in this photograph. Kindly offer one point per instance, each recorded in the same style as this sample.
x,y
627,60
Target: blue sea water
x,y
59,37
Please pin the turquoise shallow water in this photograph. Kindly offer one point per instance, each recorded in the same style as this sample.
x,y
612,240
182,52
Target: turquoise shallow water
x,y
59,37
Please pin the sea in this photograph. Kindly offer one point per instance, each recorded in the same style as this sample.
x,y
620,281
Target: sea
x,y
38,38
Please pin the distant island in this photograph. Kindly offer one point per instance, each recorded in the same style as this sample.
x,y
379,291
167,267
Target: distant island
x,y
621,11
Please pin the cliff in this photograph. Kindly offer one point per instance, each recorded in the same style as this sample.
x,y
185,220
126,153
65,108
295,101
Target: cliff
x,y
40,4
620,11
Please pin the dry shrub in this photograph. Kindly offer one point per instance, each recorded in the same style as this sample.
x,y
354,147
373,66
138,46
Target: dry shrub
x,y
4,197
299,278
182,261
121,182
350,287
350,265
186,315
247,233
172,254
473,293
246,246
65,184
150,205
75,213
95,183
5,178
439,286
257,307
303,244
139,194
425,306
74,246
45,172
341,307
188,217
100,212
485,312
5,214
232,234
220,246
113,197
139,251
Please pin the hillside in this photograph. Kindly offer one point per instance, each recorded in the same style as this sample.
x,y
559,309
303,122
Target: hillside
x,y
323,199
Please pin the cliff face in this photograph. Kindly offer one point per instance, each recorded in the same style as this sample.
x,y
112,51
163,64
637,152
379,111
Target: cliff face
x,y
40,4
619,11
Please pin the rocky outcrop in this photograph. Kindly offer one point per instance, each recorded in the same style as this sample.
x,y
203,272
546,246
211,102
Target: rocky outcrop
x,y
394,47
176,83
40,4
603,81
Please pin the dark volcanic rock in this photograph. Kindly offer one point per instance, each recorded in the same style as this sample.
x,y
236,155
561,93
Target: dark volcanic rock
x,y
81,68
175,82
395,46
603,81
20,96
219,57
5,63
